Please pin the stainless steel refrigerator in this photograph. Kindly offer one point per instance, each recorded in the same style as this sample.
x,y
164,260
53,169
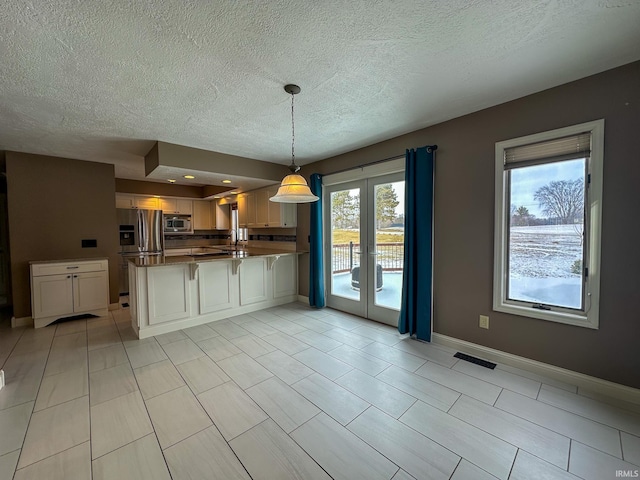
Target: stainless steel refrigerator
x,y
141,234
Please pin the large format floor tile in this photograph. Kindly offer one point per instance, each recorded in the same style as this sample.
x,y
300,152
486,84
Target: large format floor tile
x,y
244,370
501,378
530,467
282,403
205,455
480,448
218,348
341,453
202,374
253,346
268,453
107,357
419,387
176,415
145,354
592,464
358,359
60,388
468,471
8,464
387,398
286,343
13,426
182,351
339,403
71,464
117,422
630,448
565,423
56,429
539,441
232,410
418,455
320,342
286,368
397,357
111,382
323,363
427,351
141,459
158,378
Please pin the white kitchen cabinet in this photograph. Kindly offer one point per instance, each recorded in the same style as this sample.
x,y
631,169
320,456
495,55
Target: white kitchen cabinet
x,y
254,282
64,289
251,206
285,276
271,214
168,293
215,286
125,200
202,215
179,206
242,210
221,215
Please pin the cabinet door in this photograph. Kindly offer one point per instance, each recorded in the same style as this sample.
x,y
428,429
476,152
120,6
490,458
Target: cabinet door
x,y
253,281
184,207
242,210
289,212
168,205
214,284
251,210
169,293
275,209
262,208
124,201
149,203
201,215
90,291
285,276
223,215
52,295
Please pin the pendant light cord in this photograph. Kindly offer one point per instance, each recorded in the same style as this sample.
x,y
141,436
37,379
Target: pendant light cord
x,y
293,167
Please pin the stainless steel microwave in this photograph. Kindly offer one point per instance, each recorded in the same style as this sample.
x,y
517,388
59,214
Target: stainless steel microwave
x,y
177,224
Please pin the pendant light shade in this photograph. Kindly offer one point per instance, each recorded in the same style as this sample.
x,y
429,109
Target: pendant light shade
x,y
294,188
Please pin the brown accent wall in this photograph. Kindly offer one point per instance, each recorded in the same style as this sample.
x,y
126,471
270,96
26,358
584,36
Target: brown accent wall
x,y
464,222
54,203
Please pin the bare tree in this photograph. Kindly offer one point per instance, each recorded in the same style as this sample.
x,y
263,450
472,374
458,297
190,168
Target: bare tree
x,y
562,199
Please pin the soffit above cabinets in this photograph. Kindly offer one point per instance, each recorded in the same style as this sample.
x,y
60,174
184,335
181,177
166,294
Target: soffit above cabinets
x,y
102,81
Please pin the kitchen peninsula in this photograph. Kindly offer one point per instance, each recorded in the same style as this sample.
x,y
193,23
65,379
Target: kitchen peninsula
x,y
172,293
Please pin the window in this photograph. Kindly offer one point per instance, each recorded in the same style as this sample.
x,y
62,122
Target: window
x,y
547,225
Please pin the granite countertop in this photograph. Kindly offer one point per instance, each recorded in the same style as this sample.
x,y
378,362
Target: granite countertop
x,y
251,252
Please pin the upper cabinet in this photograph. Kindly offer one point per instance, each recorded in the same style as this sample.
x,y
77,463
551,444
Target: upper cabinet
x,y
176,205
202,215
256,211
221,215
125,200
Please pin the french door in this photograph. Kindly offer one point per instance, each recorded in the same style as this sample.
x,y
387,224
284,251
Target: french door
x,y
364,246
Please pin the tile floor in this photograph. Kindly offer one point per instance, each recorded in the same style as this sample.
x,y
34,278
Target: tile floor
x,y
290,392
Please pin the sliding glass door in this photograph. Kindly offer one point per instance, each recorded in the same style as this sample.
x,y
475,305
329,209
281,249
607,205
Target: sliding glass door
x,y
364,246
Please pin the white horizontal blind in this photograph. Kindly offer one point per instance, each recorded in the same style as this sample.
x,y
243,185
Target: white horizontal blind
x,y
566,148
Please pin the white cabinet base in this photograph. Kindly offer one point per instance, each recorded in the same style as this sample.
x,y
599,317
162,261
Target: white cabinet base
x,y
183,297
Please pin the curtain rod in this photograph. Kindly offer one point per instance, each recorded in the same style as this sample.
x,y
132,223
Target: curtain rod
x,y
430,148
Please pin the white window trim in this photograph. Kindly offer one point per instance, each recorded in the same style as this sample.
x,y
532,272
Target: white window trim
x,y
590,318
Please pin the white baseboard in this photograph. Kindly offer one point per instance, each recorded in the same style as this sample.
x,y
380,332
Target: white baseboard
x,y
581,380
303,299
21,322
1,379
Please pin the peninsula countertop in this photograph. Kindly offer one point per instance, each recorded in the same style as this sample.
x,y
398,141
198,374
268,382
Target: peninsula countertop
x,y
244,253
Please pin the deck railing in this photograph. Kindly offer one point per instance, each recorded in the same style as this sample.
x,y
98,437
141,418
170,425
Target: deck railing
x,y
345,256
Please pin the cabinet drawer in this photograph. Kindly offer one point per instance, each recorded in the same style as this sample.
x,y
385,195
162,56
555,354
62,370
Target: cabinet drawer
x,y
42,269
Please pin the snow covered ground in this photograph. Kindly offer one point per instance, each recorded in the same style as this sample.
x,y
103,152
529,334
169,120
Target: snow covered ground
x,y
540,261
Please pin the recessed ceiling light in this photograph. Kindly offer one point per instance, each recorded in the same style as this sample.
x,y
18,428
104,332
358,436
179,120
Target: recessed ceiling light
x,y
189,176
171,180
226,181
233,193
217,196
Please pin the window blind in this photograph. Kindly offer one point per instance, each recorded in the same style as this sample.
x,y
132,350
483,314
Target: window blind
x,y
566,148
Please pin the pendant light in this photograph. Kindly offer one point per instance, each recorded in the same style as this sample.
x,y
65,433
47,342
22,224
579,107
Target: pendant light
x,y
294,188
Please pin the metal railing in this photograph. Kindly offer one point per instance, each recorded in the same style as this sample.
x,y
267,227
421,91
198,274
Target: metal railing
x,y
345,256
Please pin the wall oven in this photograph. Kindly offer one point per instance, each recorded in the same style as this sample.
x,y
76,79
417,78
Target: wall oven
x,y
177,225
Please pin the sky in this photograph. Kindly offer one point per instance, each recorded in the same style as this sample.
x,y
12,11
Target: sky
x,y
525,181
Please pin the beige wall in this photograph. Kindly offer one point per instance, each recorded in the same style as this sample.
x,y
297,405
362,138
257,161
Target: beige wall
x,y
464,210
54,203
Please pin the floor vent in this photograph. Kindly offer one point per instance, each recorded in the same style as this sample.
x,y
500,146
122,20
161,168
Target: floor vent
x,y
477,361
125,305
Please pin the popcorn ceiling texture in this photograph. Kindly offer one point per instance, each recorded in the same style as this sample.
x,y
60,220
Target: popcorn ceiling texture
x,y
102,79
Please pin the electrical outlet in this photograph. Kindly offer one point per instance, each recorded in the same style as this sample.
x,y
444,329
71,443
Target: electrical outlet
x,y
484,322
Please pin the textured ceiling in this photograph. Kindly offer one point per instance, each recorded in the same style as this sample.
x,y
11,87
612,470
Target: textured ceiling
x,y
103,79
